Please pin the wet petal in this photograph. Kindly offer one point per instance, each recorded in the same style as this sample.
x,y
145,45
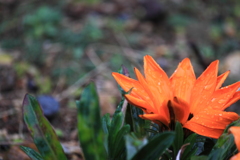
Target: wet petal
x,y
222,96
155,118
203,130
235,130
157,79
140,103
211,123
204,87
214,118
183,80
127,83
221,79
181,109
154,97
234,99
235,157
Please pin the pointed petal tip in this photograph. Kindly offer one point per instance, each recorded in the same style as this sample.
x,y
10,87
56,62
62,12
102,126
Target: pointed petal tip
x,y
115,74
186,60
215,63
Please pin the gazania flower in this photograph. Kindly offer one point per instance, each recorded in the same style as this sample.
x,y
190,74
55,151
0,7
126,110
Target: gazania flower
x,y
197,104
236,133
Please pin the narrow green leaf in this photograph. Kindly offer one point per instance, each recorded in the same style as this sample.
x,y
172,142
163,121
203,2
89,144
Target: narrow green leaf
x,y
106,123
133,144
90,131
137,124
156,147
224,148
117,131
119,141
34,155
43,134
178,141
199,158
191,149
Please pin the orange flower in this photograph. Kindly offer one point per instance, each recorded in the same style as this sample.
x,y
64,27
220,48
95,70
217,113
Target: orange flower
x,y
236,133
197,104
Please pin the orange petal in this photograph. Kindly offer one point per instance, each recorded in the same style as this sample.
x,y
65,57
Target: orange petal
x,y
235,130
181,110
154,97
204,87
155,117
157,79
183,80
140,103
236,157
127,83
222,96
144,84
214,118
209,120
202,130
234,99
221,79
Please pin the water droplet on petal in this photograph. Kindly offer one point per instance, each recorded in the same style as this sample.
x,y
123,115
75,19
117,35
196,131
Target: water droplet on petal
x,y
159,83
221,101
220,114
207,86
213,99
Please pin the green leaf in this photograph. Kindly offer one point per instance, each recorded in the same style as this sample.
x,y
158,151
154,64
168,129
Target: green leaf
x,y
137,124
43,134
90,131
117,131
133,144
106,123
224,148
114,131
178,141
31,153
191,149
156,147
199,158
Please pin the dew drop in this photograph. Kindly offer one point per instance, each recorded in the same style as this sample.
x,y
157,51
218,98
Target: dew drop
x,y
159,83
220,114
213,99
221,101
207,87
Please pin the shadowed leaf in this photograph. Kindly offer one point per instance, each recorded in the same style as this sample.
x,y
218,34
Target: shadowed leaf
x,y
31,153
156,147
89,124
43,134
